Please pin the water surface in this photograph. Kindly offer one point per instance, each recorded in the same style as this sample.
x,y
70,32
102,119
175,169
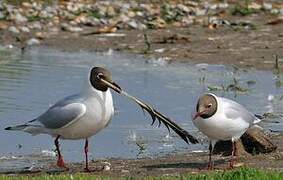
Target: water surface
x,y
31,82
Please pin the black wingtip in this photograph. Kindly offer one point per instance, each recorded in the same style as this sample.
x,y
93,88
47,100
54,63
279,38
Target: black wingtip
x,y
259,116
8,128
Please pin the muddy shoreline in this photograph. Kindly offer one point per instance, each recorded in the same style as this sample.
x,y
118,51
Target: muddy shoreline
x,y
171,164
197,44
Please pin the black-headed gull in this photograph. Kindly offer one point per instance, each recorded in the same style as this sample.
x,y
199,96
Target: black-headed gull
x,y
220,118
82,115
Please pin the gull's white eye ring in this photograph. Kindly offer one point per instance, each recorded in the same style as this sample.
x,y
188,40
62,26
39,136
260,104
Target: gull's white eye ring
x,y
99,75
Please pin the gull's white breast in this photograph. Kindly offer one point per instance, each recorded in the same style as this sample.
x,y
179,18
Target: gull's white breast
x,y
230,121
98,112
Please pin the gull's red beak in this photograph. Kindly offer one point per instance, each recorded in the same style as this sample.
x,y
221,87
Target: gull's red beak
x,y
196,115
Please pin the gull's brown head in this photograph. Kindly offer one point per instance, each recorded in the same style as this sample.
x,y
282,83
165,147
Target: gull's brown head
x,y
101,79
206,106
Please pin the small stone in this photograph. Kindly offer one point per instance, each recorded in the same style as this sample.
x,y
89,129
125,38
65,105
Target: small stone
x,y
200,12
24,29
19,18
136,25
106,168
123,18
183,8
2,16
81,19
73,23
37,6
267,6
45,14
212,6
69,28
53,29
223,5
158,23
35,25
131,14
187,21
110,11
26,4
56,20
14,30
3,25
274,11
140,14
40,35
254,5
125,171
33,41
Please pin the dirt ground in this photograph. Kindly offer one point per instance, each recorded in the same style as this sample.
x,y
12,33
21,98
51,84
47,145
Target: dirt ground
x,y
171,164
224,44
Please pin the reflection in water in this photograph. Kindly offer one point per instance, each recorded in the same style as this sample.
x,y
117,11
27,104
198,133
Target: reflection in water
x,y
30,83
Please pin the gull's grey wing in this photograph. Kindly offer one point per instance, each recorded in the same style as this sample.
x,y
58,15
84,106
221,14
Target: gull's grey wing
x,y
63,113
234,110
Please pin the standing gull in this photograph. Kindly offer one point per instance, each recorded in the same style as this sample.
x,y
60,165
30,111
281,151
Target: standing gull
x,y
82,115
222,119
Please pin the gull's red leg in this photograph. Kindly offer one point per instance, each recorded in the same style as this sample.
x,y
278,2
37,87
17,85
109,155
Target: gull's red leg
x,y
210,162
60,161
86,156
232,161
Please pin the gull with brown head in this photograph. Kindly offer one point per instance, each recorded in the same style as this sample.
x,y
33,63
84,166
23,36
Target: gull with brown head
x,y
220,118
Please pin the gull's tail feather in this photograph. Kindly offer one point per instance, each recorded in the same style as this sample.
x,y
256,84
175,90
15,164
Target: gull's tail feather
x,y
32,129
17,128
155,115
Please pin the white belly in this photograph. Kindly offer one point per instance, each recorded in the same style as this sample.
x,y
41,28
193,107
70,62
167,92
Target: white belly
x,y
221,129
97,116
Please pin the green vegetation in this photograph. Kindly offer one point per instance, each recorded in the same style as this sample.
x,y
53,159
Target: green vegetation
x,y
237,174
95,13
243,9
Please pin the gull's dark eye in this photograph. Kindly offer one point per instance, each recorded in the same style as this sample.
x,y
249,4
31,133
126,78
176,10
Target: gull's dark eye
x,y
100,75
209,105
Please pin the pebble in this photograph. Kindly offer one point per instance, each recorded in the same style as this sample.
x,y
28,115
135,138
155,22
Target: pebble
x,y
3,26
14,30
33,41
274,11
106,168
73,16
70,28
136,25
267,6
2,16
125,171
40,35
35,25
24,29
18,18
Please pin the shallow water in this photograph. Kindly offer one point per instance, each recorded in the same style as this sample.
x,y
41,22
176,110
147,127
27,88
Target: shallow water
x,y
31,82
